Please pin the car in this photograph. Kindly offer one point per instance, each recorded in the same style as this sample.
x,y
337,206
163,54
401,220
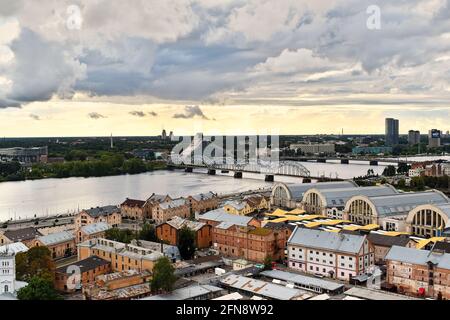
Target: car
x,y
318,275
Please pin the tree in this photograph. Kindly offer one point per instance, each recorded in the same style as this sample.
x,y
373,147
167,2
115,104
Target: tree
x,y
403,167
116,234
38,289
401,184
163,276
389,171
186,243
268,263
148,233
35,262
417,183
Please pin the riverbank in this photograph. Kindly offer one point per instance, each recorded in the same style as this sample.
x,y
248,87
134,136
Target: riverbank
x,y
62,219
83,169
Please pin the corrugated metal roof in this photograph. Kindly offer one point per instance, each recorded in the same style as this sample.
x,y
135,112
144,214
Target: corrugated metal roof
x,y
262,288
302,279
187,293
55,238
416,256
222,216
319,239
14,248
95,228
178,223
338,197
402,203
102,211
173,204
297,190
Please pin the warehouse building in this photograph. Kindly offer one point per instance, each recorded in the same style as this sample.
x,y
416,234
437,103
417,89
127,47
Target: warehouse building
x,y
291,195
331,202
389,211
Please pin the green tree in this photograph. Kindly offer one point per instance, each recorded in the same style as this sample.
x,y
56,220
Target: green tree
x,y
38,289
389,171
401,184
163,276
35,262
403,167
148,233
186,243
268,263
116,234
417,183
134,166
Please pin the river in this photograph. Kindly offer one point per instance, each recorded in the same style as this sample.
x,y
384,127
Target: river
x,y
24,199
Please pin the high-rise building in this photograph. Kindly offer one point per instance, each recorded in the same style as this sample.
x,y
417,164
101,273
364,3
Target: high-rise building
x,y
164,134
413,137
171,135
434,138
391,131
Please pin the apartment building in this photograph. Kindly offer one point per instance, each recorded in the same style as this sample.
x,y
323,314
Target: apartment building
x,y
241,208
237,236
383,243
92,231
134,209
203,202
419,272
89,269
122,256
25,235
124,285
60,244
169,231
335,255
153,201
108,214
166,210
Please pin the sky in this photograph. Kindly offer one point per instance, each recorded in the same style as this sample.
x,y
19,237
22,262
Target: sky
x,y
96,67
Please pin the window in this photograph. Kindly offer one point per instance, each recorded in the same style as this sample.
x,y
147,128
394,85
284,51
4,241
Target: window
x,y
342,274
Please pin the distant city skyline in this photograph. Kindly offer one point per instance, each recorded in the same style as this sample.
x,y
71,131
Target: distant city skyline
x,y
222,67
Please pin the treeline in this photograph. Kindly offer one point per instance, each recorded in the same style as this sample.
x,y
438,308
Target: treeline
x,y
423,182
105,165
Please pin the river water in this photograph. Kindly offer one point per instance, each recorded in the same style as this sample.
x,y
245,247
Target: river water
x,y
25,199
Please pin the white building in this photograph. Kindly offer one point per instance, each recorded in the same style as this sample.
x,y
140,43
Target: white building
x,y
335,255
417,172
8,283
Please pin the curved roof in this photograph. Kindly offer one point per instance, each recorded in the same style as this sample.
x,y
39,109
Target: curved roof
x,y
298,189
338,197
402,203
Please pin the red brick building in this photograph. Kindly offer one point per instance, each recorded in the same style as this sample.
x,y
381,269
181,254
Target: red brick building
x,y
169,231
419,272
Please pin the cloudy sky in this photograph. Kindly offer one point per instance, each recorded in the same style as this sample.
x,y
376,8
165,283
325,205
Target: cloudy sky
x,y
92,67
